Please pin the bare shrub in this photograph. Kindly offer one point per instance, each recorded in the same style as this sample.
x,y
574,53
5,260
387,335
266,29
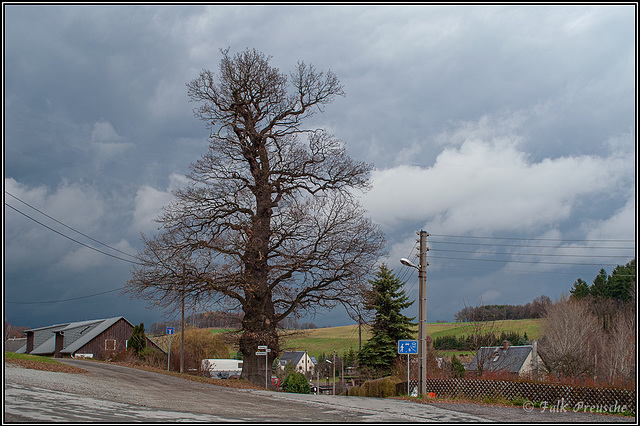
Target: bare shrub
x,y
199,344
619,351
570,338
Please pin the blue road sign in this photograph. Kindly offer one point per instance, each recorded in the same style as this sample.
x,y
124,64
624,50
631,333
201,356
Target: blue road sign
x,y
407,346
169,330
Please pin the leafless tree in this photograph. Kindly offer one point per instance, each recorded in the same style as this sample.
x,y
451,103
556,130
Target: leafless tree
x,y
482,332
570,339
270,220
618,362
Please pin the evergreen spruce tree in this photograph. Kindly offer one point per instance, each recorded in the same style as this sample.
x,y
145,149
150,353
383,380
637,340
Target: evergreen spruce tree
x,y
580,289
296,383
457,367
138,340
601,286
388,299
622,282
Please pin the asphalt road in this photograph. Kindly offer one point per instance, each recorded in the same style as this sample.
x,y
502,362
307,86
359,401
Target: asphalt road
x,y
112,393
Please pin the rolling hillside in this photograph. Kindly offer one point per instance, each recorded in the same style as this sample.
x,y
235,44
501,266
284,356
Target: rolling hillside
x,y
341,339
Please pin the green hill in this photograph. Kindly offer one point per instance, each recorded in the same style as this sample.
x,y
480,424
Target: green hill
x,y
340,339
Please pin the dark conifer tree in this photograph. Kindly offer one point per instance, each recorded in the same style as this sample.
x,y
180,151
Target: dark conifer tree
x,y
390,325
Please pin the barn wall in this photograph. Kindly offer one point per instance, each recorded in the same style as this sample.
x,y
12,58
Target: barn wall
x,y
120,331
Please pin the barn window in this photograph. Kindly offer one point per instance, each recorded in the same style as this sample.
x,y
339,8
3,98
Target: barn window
x,y
110,344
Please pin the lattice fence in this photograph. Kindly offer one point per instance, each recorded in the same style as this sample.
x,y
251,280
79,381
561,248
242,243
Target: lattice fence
x,y
572,397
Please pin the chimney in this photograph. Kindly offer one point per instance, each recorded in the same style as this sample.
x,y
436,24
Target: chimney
x,y
59,344
30,339
505,345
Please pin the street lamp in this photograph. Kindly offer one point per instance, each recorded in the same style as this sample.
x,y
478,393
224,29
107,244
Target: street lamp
x,y
422,311
334,371
407,262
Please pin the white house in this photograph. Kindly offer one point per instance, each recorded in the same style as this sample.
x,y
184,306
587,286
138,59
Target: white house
x,y
301,361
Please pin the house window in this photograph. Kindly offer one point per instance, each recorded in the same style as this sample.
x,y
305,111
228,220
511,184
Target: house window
x,y
110,344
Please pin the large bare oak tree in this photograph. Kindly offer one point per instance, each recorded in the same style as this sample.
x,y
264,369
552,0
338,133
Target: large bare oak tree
x,y
270,221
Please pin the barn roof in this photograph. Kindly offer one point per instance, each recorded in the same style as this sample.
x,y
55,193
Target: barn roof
x,y
80,333
76,335
15,344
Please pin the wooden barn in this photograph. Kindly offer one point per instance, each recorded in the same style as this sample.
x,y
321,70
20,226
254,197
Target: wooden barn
x,y
98,339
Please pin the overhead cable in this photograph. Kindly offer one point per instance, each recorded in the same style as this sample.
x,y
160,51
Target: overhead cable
x,y
67,226
72,239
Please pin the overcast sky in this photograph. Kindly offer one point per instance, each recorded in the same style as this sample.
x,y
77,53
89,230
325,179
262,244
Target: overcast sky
x,y
514,125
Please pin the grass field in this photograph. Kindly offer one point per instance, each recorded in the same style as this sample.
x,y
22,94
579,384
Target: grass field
x,y
340,339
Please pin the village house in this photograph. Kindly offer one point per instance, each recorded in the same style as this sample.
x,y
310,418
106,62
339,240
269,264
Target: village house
x,y
301,361
517,360
98,339
14,344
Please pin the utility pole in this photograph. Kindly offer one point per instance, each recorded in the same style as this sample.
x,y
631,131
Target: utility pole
x,y
359,332
422,313
182,334
334,372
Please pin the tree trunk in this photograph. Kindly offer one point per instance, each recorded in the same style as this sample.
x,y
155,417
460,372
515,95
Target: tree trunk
x,y
258,325
258,330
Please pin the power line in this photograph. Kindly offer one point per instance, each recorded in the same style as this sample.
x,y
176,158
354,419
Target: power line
x,y
529,254
528,239
72,239
65,300
514,255
533,246
67,226
523,261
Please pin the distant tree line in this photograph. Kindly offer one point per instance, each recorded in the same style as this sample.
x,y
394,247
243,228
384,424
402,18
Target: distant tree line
x,y
200,320
608,294
531,310
216,319
468,343
293,324
619,286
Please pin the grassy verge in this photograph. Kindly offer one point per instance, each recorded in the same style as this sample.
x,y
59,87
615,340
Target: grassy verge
x,y
228,383
42,363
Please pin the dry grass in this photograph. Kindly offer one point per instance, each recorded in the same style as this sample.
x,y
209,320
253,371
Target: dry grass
x,y
35,364
49,364
228,383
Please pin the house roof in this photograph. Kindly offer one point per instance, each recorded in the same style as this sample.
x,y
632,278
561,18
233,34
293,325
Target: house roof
x,y
43,339
496,358
14,344
76,335
293,356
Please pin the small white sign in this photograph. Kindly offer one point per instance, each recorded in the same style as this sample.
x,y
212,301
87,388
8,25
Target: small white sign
x,y
262,347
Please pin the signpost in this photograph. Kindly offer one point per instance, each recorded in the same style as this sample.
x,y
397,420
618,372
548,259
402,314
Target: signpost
x,y
169,332
264,350
408,347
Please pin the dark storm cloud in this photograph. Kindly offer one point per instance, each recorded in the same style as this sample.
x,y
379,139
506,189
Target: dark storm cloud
x,y
529,110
